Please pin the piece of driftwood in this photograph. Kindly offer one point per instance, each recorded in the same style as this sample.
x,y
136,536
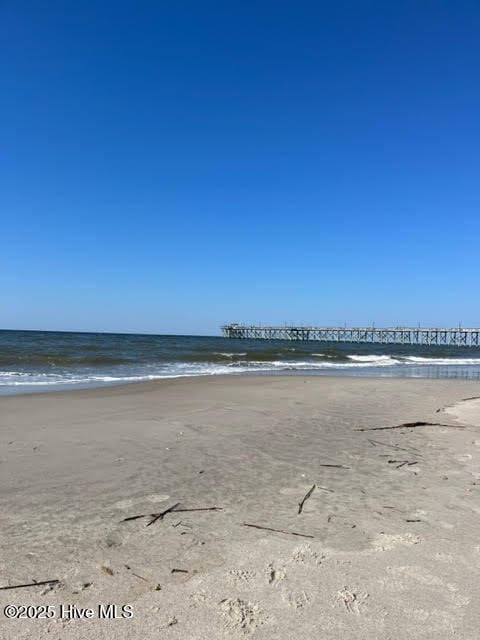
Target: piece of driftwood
x,y
142,515
135,574
160,516
29,584
291,533
199,509
138,576
305,498
411,425
173,509
402,463
335,466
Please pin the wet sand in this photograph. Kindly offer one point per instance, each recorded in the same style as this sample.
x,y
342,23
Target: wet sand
x,y
388,545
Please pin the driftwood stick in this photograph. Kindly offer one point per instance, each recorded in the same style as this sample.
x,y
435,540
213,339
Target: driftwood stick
x,y
291,533
335,466
160,516
199,509
142,515
306,497
29,584
157,516
411,425
141,577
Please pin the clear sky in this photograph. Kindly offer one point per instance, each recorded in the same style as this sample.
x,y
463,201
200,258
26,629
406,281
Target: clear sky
x,y
168,166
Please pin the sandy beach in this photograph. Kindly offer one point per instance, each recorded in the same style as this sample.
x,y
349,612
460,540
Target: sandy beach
x,y
385,545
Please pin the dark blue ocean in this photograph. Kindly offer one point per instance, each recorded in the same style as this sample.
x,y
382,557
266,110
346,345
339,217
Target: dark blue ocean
x,y
40,361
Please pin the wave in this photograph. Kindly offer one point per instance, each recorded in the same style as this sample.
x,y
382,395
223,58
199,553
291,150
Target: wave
x,y
33,378
229,355
421,360
374,359
168,370
309,365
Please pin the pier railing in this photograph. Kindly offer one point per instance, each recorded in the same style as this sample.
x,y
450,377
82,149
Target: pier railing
x,y
461,337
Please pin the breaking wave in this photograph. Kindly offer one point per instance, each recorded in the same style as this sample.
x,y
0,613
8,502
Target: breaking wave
x,y
36,361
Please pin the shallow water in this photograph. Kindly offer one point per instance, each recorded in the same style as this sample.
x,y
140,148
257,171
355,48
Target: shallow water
x,y
40,360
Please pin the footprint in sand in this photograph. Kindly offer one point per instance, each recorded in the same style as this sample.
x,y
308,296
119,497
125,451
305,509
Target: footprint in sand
x,y
242,575
304,554
240,614
114,539
275,575
385,542
350,599
297,600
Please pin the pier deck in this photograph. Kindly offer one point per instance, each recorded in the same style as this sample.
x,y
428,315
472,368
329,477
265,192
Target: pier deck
x,y
460,337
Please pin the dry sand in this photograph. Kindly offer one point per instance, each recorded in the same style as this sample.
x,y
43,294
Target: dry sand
x,y
395,547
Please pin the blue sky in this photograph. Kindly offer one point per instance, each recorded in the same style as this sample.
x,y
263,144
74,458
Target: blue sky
x,y
168,166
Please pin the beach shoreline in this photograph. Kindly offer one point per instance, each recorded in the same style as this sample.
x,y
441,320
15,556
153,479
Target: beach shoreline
x,y
32,362
384,545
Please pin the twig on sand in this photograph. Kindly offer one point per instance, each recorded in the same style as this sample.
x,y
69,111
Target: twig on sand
x,y
160,516
200,509
29,584
138,576
172,509
325,489
335,466
178,571
411,425
305,498
402,463
135,574
291,533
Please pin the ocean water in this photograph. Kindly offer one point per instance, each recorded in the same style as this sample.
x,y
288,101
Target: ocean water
x,y
40,361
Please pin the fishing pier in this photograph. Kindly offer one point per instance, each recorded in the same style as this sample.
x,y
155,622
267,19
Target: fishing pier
x,y
459,337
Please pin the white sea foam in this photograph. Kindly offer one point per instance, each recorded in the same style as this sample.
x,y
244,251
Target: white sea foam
x,y
308,365
17,381
228,355
441,361
374,360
